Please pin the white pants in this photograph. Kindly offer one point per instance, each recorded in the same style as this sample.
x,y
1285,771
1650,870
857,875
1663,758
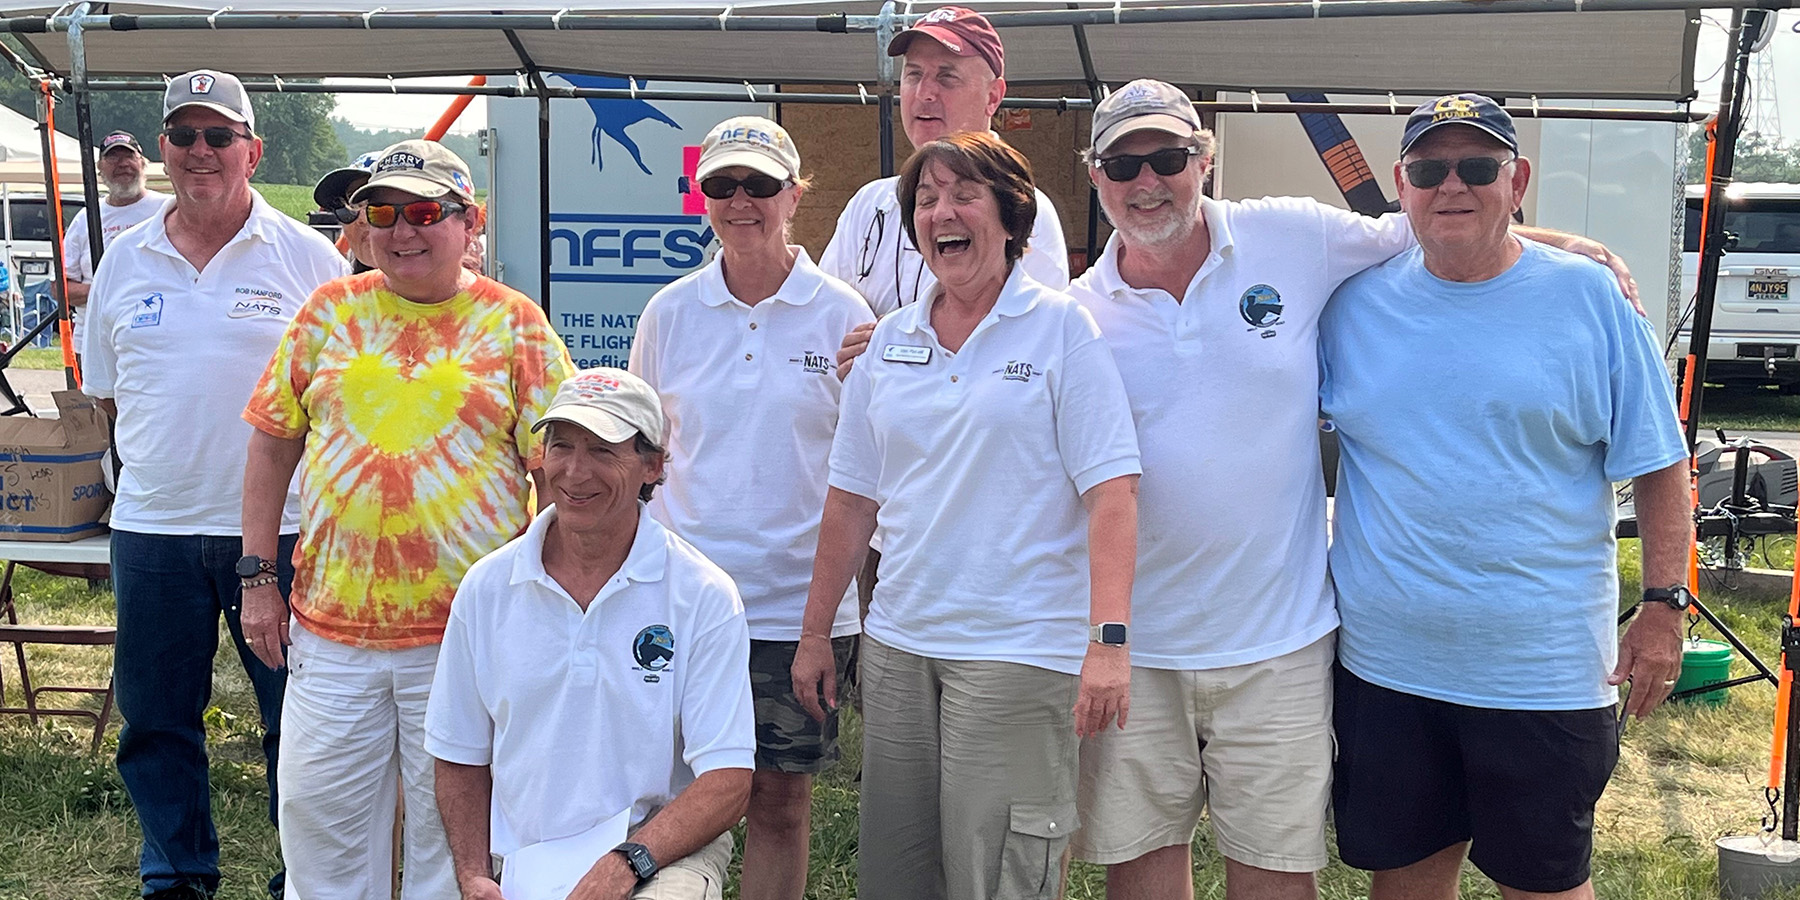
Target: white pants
x,y
352,733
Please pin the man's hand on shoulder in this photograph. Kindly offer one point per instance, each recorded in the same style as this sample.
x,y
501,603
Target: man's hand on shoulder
x,y
1592,249
856,343
611,878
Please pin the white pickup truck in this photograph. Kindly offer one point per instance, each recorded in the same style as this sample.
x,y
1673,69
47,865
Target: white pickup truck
x,y
1756,316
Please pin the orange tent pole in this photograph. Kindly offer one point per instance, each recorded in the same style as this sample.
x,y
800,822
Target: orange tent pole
x,y
442,125
65,331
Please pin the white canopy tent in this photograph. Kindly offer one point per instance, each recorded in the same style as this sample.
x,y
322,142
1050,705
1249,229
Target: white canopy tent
x,y
1639,49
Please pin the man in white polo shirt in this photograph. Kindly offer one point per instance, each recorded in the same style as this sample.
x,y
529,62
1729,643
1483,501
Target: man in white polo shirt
x,y
185,308
128,202
952,80
1211,309
635,700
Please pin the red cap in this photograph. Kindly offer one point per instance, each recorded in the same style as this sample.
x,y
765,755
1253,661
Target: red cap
x,y
961,30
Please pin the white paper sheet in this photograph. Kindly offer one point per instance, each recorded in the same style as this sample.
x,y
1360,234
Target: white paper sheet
x,y
549,870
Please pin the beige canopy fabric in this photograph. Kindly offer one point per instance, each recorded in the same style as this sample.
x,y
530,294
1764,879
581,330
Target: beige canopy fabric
x,y
1643,55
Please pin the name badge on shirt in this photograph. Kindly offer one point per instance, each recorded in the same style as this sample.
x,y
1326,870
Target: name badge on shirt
x,y
903,353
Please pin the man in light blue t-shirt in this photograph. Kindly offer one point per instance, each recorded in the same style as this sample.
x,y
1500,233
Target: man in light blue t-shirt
x,y
1487,392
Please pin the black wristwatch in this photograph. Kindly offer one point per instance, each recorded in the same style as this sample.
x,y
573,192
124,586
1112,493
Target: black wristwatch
x,y
1675,596
249,567
642,863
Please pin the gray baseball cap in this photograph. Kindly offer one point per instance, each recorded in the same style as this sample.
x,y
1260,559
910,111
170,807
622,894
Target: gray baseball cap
x,y
1142,104
221,92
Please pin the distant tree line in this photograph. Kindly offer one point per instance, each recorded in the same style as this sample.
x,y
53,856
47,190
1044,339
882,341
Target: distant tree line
x,y
1759,157
301,140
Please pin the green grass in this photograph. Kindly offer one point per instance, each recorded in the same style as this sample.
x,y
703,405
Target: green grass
x,y
297,200
1749,409
1686,777
294,199
38,358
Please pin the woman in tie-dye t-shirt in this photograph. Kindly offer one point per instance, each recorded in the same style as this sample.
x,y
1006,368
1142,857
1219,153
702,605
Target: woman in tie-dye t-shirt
x,y
404,397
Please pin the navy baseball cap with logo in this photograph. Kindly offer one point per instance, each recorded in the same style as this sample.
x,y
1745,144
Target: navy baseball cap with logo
x,y
333,191
1473,110
120,139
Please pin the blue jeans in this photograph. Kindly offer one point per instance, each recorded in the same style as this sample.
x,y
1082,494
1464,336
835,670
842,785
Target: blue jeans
x,y
170,591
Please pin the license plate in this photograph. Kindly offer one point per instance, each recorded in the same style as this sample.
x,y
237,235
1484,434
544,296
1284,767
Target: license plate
x,y
1768,289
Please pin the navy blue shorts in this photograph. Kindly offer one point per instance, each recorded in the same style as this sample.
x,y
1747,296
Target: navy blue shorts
x,y
1416,775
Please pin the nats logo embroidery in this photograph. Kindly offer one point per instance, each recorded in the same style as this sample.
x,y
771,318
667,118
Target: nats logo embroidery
x,y
816,363
1021,372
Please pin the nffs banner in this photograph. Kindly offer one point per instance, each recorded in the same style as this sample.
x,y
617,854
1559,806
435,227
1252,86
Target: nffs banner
x,y
621,223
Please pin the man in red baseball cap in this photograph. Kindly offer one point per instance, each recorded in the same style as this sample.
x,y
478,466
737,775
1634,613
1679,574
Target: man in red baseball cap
x,y
952,80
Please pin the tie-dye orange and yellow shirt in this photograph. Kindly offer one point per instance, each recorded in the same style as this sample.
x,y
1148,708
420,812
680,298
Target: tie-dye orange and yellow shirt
x,y
417,419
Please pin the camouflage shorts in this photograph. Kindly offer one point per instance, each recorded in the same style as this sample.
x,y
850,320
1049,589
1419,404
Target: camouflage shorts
x,y
787,739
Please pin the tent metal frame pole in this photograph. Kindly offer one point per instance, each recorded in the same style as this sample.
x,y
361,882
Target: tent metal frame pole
x,y
543,97
839,23
90,180
884,66
1060,104
1095,93
1731,97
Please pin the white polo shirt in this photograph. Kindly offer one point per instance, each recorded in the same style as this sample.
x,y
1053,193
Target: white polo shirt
x,y
583,714
871,252
978,460
1224,388
113,220
751,394
180,350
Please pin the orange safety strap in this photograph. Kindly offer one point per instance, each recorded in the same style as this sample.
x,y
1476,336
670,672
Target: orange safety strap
x,y
65,332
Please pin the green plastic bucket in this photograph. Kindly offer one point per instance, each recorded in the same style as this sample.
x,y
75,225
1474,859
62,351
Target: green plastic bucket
x,y
1704,663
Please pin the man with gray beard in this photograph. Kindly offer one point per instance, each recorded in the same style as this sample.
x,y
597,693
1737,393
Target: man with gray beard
x,y
1212,309
128,202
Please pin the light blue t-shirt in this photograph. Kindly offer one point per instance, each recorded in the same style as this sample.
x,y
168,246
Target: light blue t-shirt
x,y
1482,426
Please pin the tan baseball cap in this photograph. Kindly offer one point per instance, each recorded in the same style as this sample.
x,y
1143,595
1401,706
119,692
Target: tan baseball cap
x,y
751,141
425,168
612,403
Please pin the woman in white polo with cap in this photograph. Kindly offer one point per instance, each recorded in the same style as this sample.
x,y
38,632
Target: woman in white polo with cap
x,y
741,353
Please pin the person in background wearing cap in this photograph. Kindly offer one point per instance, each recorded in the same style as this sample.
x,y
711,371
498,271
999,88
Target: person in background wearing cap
x,y
951,81
1475,692
597,666
202,290
128,201
990,437
405,397
332,193
741,353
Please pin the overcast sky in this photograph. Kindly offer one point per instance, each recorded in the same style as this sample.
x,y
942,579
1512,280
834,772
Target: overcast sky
x,y
418,112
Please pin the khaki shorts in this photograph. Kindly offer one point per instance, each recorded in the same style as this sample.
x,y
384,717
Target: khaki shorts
x,y
698,876
1250,744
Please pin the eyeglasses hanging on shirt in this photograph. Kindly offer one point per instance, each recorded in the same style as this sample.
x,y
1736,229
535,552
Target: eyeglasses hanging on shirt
x,y
871,246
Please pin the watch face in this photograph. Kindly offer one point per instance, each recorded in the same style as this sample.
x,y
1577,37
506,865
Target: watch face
x,y
1113,633
641,863
248,566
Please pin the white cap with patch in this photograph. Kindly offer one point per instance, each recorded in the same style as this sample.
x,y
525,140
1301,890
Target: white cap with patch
x,y
612,403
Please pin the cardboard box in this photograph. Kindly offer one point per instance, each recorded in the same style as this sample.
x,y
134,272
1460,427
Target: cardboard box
x,y
51,487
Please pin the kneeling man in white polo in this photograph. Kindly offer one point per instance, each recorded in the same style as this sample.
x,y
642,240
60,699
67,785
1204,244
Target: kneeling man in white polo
x,y
593,668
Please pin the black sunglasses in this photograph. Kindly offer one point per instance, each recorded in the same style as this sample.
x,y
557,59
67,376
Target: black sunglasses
x,y
217,136
418,214
722,187
1474,171
1162,162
